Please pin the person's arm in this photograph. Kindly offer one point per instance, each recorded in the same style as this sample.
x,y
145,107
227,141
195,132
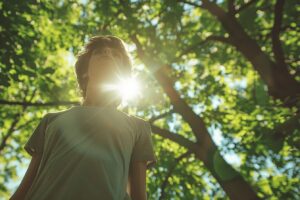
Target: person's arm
x,y
33,146
142,158
136,186
27,179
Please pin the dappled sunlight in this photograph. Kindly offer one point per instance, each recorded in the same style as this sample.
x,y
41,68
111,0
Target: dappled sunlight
x,y
86,85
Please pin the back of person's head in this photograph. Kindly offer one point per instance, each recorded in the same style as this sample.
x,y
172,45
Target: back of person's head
x,y
102,44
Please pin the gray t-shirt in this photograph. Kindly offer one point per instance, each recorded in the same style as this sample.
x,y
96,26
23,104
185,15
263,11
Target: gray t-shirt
x,y
86,152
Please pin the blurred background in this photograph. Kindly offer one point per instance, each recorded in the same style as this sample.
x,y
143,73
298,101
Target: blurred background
x,y
218,80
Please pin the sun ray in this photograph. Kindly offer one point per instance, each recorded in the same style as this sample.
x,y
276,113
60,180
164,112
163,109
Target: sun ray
x,y
127,88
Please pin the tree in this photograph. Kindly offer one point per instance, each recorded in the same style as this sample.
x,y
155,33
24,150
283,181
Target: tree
x,y
199,80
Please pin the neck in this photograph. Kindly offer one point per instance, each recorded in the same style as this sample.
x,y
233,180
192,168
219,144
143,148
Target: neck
x,y
95,97
97,102
92,99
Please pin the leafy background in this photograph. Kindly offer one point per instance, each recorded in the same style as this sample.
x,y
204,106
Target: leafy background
x,y
220,82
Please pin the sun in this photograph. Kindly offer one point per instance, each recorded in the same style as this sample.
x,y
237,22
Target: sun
x,y
127,88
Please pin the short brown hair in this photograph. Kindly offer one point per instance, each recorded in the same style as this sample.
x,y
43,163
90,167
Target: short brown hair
x,y
96,43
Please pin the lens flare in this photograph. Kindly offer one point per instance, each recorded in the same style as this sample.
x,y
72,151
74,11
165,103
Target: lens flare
x,y
128,88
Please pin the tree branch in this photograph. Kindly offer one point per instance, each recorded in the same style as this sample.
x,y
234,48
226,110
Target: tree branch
x,y
24,103
16,119
285,129
161,116
182,141
244,6
277,49
200,43
231,7
170,171
160,72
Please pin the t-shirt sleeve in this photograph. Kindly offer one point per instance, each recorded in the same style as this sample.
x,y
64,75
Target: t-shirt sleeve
x,y
35,143
143,149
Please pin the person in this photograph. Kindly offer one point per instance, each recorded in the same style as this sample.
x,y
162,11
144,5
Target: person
x,y
92,150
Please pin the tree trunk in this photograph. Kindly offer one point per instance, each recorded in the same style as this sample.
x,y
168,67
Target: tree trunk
x,y
230,180
280,82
